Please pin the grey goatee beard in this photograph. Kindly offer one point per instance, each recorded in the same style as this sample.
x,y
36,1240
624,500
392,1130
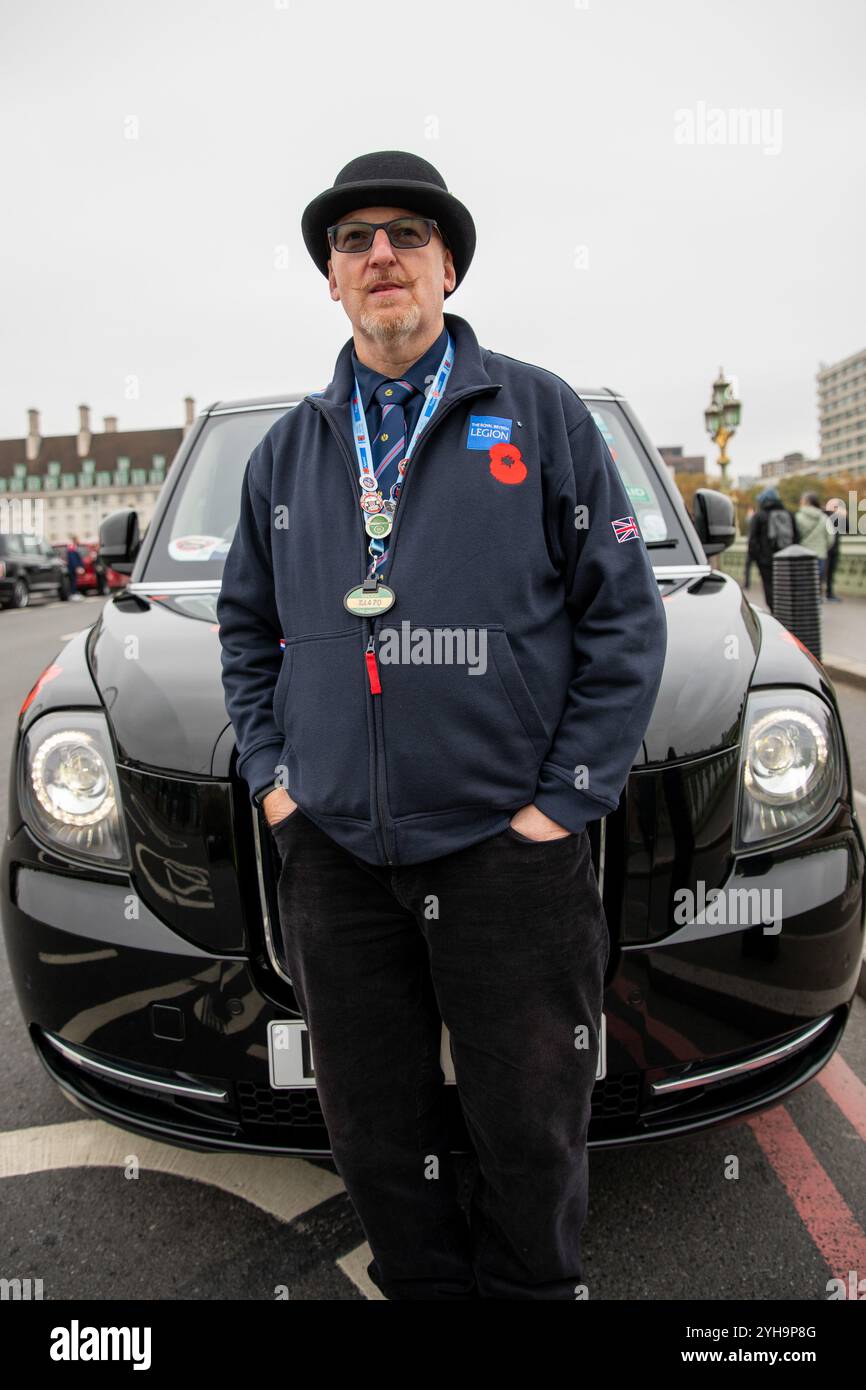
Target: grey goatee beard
x,y
388,328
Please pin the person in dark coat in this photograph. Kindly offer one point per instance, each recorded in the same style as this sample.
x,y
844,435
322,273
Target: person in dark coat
x,y
749,561
837,515
75,566
481,798
771,529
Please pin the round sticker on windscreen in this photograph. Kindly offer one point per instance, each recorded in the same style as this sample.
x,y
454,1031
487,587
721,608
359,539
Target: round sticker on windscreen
x,y
194,547
652,525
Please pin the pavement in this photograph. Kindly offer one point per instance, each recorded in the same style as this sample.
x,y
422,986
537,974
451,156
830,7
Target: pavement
x,y
843,640
843,656
843,636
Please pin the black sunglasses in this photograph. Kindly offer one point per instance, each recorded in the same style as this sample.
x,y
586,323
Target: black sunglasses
x,y
404,233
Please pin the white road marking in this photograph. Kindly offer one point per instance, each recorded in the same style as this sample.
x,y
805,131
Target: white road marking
x,y
284,1190
354,1266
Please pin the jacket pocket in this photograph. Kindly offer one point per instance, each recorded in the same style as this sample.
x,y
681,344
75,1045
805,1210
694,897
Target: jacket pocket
x,y
459,731
282,685
324,718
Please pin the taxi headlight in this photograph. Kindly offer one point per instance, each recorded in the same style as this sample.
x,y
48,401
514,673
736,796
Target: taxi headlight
x,y
791,767
68,786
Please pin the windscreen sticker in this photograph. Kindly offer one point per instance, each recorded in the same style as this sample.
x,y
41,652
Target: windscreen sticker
x,y
652,525
197,547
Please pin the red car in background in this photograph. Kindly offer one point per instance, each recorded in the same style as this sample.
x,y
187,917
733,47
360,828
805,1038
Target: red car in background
x,y
96,579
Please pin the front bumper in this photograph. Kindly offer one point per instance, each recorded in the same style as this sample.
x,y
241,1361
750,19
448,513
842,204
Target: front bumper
x,y
156,1034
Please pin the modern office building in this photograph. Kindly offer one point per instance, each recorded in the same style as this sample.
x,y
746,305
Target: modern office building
x,y
842,415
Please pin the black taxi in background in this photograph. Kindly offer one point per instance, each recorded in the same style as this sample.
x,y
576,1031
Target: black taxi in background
x,y
30,567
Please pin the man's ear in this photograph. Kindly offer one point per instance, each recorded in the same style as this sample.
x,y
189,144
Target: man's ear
x,y
448,268
332,283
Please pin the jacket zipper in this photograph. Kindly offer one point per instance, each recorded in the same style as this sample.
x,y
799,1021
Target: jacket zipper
x,y
372,667
370,662
378,734
381,834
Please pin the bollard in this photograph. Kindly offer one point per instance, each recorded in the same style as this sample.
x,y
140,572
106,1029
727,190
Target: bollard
x,y
797,595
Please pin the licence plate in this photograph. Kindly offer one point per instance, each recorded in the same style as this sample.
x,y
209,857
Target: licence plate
x,y
290,1054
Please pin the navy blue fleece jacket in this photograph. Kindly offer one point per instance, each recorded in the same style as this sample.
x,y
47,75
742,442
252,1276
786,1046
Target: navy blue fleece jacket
x,y
522,658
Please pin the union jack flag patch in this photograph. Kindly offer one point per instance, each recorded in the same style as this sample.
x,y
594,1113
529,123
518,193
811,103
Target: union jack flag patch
x,y
625,529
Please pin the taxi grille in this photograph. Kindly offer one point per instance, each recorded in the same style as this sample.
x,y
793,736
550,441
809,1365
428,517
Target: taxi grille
x,y
261,1106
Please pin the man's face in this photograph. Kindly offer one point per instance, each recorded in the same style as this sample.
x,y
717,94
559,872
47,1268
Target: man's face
x,y
416,280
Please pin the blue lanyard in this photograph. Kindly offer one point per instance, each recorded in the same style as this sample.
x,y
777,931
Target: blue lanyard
x,y
366,476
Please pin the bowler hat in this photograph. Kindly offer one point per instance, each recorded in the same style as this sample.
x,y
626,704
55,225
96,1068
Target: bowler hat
x,y
397,179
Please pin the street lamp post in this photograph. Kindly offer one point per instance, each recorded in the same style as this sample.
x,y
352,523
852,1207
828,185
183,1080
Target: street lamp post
x,y
722,416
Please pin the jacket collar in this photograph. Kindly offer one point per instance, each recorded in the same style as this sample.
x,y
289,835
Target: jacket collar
x,y
423,367
467,373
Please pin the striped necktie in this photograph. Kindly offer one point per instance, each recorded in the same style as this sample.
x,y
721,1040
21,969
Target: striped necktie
x,y
388,448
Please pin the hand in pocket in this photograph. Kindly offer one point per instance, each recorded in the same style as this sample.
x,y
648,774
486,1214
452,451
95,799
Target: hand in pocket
x,y
534,825
278,806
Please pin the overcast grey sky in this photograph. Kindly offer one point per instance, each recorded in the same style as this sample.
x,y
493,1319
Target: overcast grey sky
x,y
616,244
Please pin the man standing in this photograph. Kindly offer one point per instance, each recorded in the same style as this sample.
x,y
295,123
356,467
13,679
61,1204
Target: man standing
x,y
474,641
771,528
749,560
75,566
837,516
814,531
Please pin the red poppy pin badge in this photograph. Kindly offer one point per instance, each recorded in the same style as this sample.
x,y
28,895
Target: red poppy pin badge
x,y
506,464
